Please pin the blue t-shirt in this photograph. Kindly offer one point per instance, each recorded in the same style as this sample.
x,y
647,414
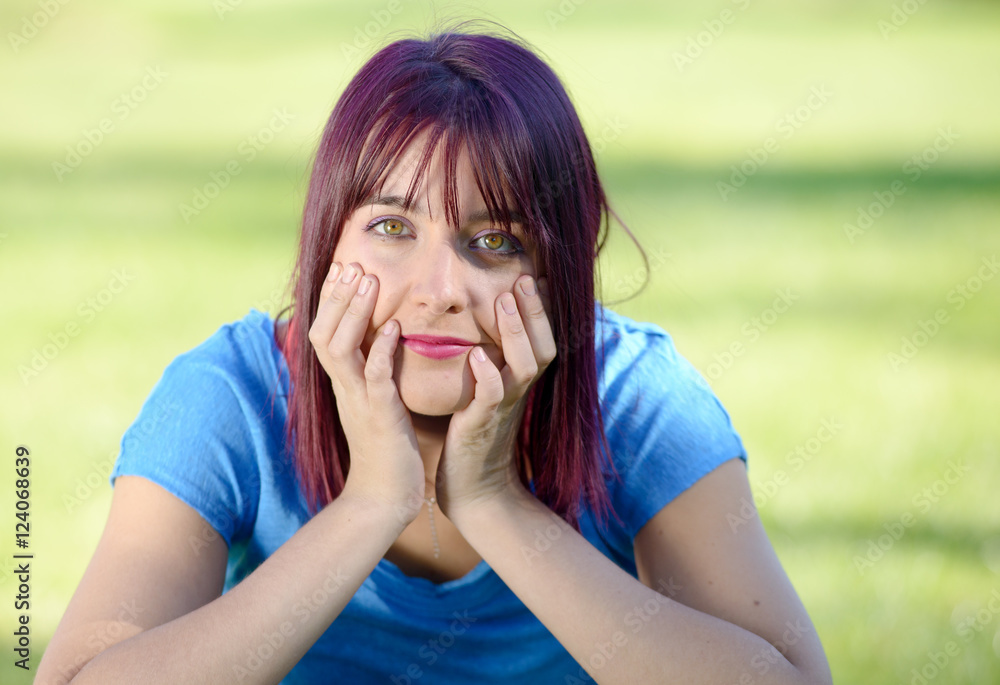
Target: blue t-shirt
x,y
212,433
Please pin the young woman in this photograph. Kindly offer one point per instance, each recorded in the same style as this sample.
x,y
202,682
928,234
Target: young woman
x,y
450,465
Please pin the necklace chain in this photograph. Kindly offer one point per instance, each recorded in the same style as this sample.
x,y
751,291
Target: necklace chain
x,y
431,501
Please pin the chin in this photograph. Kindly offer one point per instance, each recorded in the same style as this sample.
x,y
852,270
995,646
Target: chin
x,y
432,391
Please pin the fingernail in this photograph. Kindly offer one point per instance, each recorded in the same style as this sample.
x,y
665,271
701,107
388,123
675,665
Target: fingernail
x,y
389,328
334,272
366,284
349,273
528,287
480,355
507,302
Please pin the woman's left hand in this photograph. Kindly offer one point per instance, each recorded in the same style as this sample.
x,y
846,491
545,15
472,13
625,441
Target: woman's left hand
x,y
477,462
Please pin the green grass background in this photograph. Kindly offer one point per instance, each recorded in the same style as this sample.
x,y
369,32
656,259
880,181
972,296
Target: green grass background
x,y
720,261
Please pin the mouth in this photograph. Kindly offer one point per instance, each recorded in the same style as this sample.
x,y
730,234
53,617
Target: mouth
x,y
436,347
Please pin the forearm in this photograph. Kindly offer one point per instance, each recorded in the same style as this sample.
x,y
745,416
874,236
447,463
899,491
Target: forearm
x,y
618,629
259,630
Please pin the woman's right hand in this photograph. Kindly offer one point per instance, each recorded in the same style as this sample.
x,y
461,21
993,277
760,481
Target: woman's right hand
x,y
385,460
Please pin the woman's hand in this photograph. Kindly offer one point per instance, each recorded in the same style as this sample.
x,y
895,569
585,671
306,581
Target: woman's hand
x,y
385,460
477,462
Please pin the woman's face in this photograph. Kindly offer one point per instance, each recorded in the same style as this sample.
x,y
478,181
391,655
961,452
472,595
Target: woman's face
x,y
434,279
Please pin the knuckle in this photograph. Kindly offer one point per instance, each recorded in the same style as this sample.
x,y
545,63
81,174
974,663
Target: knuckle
x,y
516,328
537,313
377,368
527,374
337,352
549,355
340,296
356,308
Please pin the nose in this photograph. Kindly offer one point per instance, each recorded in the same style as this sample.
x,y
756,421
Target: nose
x,y
439,278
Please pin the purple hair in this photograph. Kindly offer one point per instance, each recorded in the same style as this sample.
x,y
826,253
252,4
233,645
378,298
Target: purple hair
x,y
496,99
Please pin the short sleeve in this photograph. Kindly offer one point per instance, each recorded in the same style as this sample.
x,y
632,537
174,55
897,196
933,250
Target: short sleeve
x,y
666,429
198,434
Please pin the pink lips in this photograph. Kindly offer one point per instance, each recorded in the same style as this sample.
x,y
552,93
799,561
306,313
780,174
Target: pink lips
x,y
436,347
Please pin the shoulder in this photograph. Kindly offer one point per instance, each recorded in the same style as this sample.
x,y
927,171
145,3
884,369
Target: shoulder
x,y
665,427
640,369
240,358
216,413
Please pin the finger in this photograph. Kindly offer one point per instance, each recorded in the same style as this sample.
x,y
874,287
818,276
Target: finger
x,y
344,347
331,311
521,366
326,319
489,392
336,269
383,396
533,306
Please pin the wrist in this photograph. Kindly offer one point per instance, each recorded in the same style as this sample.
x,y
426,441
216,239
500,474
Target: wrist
x,y
471,515
396,513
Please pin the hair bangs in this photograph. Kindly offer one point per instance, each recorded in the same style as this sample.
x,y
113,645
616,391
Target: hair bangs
x,y
505,186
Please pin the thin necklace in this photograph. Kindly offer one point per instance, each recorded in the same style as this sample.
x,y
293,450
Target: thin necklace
x,y
431,501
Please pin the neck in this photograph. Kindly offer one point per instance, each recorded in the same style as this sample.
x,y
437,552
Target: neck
x,y
430,432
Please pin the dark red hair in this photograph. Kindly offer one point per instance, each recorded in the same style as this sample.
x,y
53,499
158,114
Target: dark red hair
x,y
494,98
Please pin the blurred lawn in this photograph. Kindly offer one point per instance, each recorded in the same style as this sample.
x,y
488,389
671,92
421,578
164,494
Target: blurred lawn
x,y
668,136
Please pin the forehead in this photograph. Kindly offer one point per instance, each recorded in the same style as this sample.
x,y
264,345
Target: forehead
x,y
421,176
435,174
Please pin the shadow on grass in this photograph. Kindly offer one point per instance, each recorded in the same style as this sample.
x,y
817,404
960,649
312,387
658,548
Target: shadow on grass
x,y
651,176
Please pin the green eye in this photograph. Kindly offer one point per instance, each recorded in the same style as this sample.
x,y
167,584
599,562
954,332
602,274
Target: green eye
x,y
392,227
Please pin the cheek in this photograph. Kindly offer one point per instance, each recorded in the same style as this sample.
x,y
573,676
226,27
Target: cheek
x,y
386,306
486,312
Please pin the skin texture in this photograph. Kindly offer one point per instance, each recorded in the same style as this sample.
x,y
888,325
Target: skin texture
x,y
435,279
711,604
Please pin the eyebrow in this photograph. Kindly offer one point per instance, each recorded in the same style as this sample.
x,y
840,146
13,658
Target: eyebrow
x,y
399,202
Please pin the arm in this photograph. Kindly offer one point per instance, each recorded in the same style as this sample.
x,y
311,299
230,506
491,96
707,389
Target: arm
x,y
721,604
178,628
149,610
730,603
